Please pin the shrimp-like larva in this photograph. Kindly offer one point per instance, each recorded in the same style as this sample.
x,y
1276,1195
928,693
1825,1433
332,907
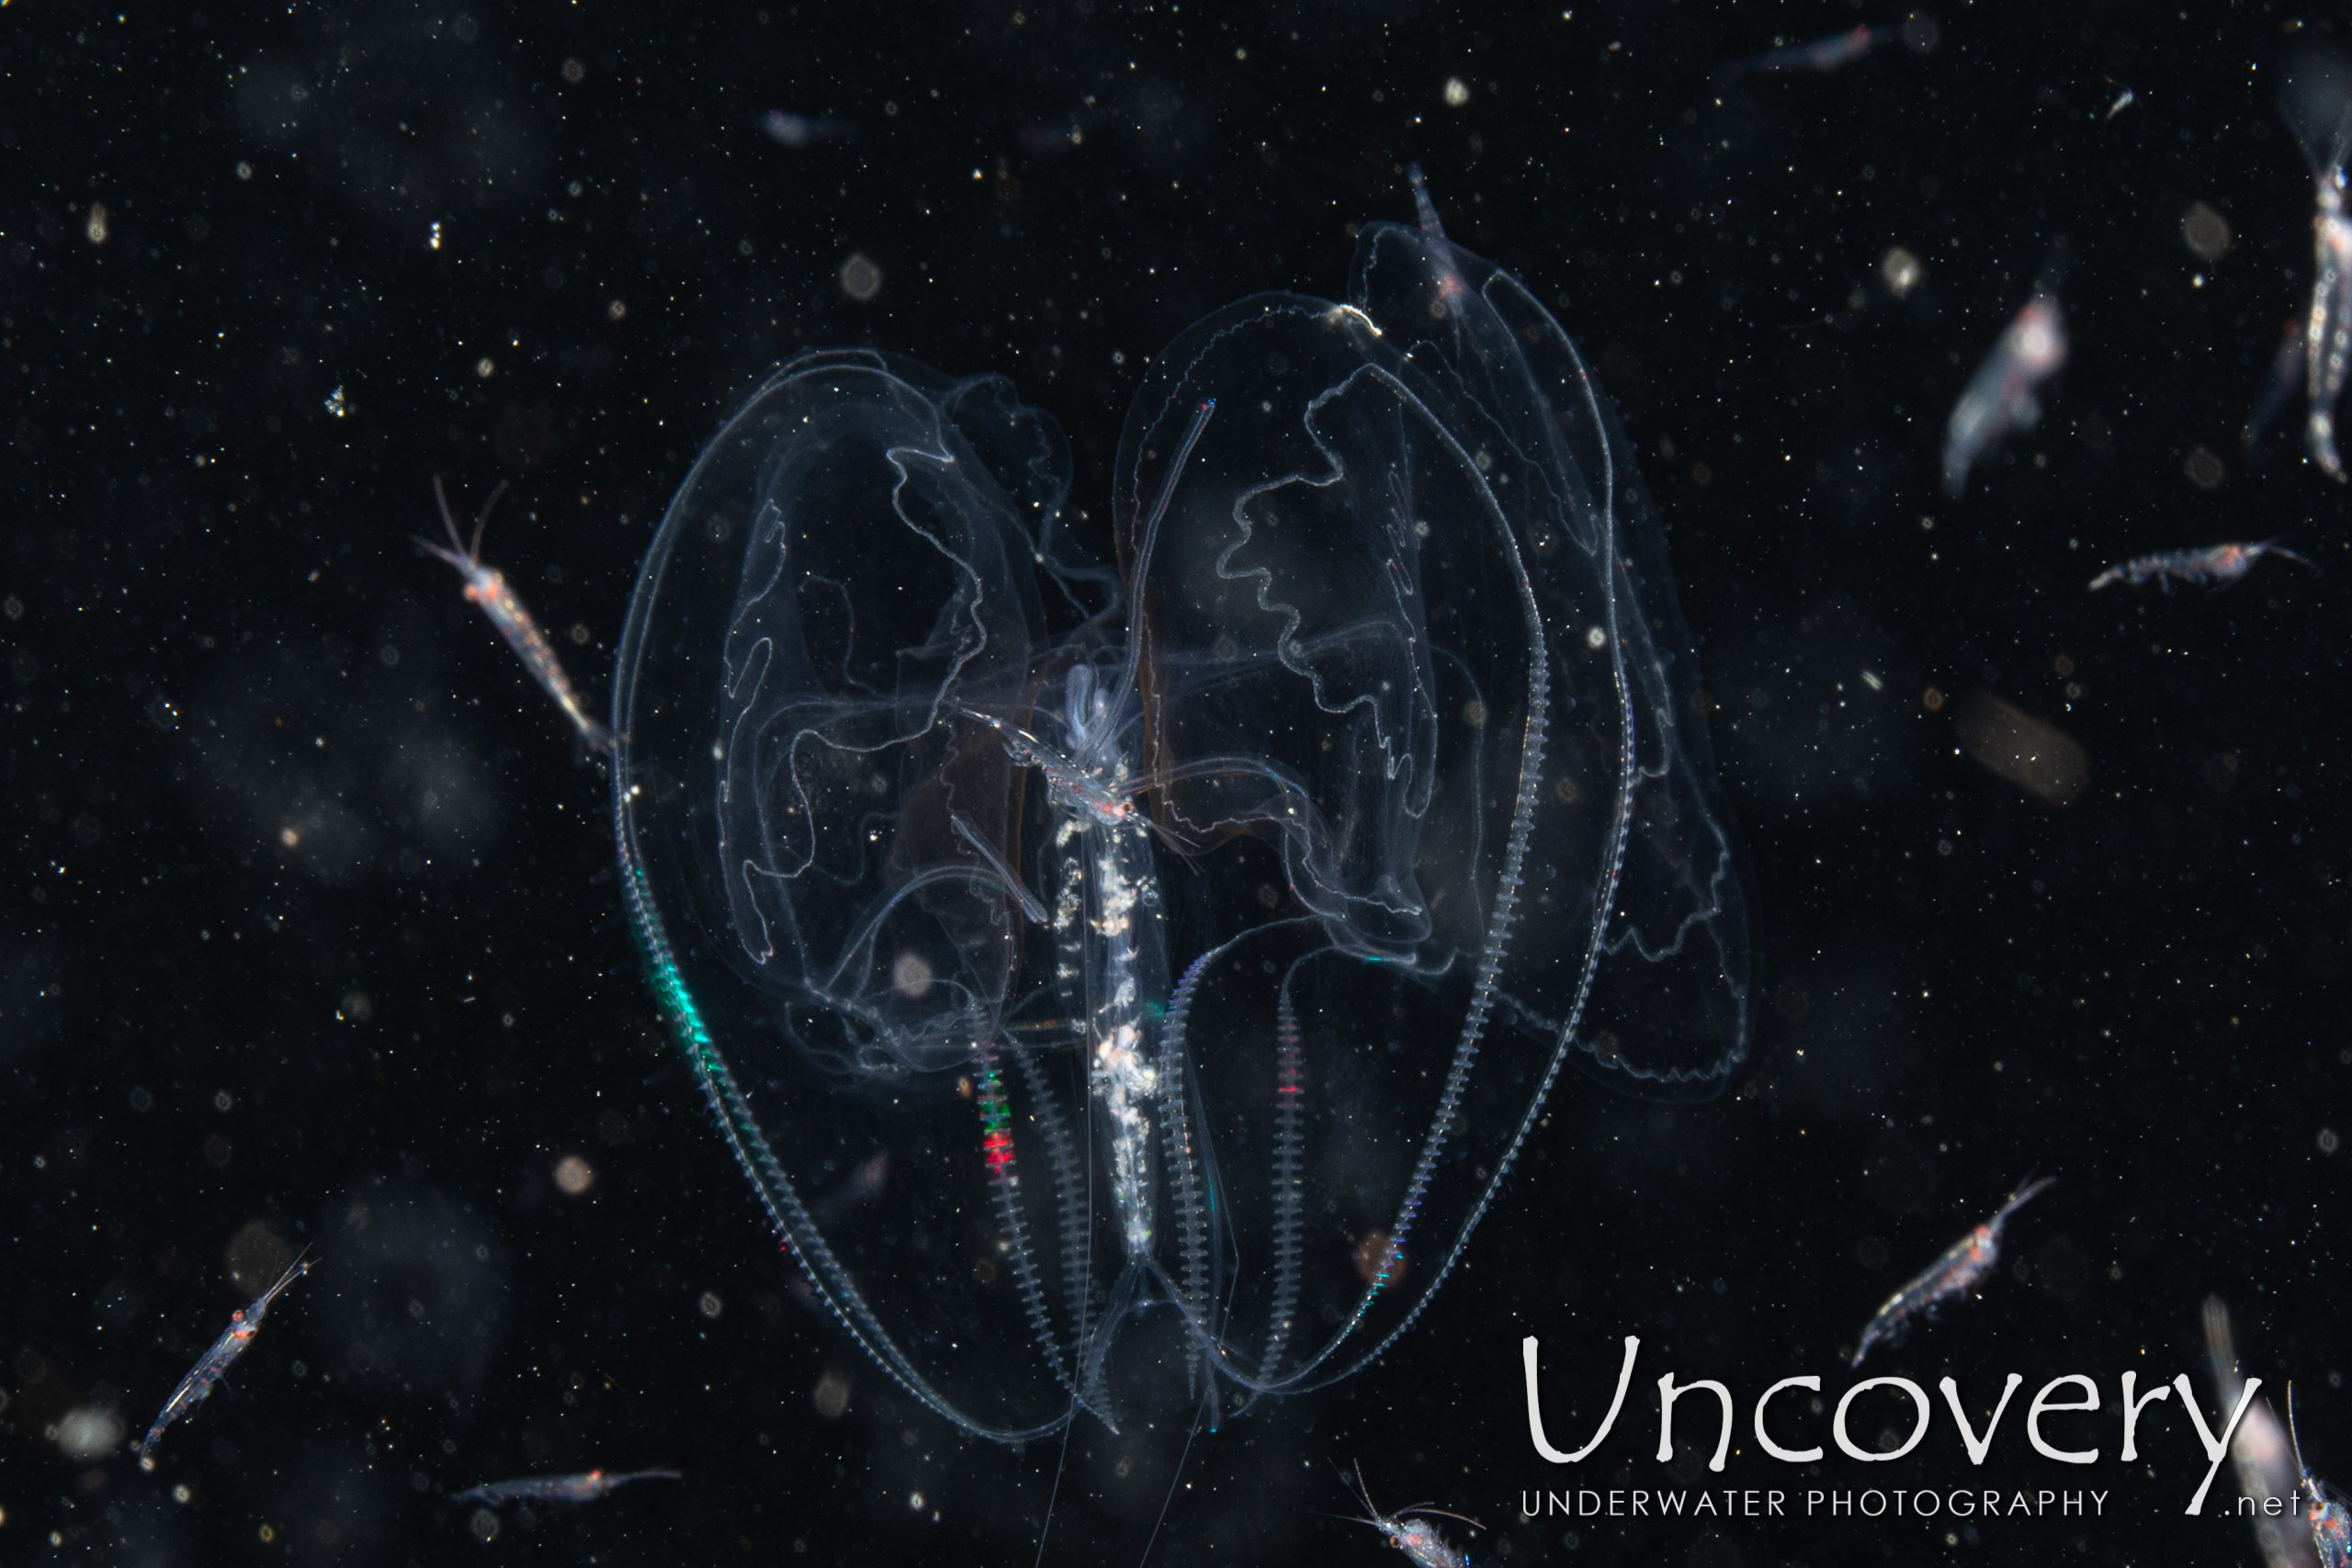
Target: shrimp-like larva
x,y
486,586
2002,397
2224,564
193,1389
1412,1535
1964,1263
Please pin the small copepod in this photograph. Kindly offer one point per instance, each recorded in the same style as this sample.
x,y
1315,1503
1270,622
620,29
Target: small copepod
x,y
1957,1272
2330,1520
583,1488
2216,563
193,1389
2001,396
486,586
1411,1533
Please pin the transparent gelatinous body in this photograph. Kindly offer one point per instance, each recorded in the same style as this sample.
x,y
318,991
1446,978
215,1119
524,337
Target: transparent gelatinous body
x,y
1192,940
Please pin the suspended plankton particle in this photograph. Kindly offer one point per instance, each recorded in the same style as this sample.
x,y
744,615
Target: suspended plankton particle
x,y
2031,753
88,1432
861,279
2206,232
798,130
1902,271
574,1176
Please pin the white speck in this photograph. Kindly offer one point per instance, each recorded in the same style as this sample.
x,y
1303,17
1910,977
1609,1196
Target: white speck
x,y
910,976
88,1431
861,279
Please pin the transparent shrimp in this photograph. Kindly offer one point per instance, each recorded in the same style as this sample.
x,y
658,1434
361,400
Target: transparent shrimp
x,y
193,1389
2001,396
2317,102
1957,1272
1411,1533
2260,1452
486,586
2216,563
582,1488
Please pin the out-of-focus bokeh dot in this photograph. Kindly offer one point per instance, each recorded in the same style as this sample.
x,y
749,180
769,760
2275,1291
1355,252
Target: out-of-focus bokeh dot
x,y
573,1176
255,1257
